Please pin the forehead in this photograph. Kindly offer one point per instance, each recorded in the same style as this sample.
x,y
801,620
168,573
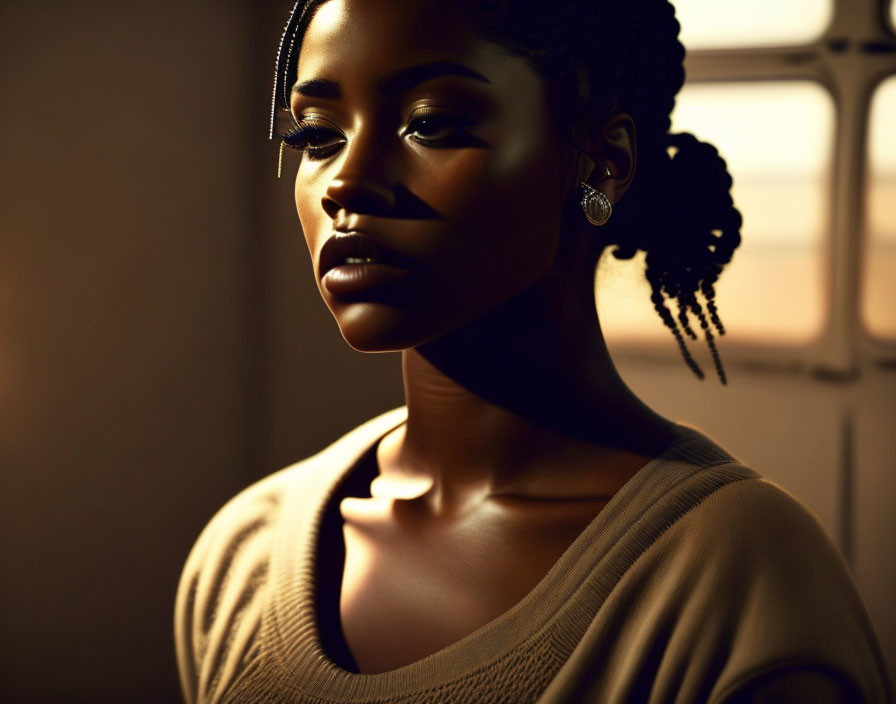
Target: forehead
x,y
367,40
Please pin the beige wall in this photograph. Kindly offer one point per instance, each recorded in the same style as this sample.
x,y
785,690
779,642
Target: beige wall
x,y
138,278
124,312
162,345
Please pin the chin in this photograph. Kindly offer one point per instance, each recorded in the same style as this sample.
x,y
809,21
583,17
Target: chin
x,y
376,327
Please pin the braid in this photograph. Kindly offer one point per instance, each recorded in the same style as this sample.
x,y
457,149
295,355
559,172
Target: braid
x,y
665,314
288,55
599,58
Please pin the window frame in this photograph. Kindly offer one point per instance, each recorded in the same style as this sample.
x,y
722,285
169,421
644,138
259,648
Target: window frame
x,y
880,349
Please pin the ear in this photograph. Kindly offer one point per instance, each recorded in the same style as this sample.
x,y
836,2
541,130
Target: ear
x,y
611,146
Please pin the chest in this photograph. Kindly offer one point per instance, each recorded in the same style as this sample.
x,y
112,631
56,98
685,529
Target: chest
x,y
409,590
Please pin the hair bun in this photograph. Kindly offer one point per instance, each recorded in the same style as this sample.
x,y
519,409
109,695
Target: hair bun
x,y
690,239
696,170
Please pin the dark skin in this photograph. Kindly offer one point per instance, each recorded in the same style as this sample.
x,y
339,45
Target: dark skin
x,y
519,428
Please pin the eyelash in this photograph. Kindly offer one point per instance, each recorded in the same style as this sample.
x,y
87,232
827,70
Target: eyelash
x,y
301,137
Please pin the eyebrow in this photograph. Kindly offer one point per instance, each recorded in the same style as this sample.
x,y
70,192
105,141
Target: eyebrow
x,y
398,82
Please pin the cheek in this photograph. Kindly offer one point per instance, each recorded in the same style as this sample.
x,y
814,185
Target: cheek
x,y
504,207
312,217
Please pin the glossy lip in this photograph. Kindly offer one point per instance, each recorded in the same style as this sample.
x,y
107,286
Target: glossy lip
x,y
379,268
357,245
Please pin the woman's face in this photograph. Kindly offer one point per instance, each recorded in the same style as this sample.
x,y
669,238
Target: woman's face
x,y
437,159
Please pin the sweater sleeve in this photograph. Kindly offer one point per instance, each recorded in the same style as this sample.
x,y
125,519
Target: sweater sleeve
x,y
797,685
795,616
744,598
221,593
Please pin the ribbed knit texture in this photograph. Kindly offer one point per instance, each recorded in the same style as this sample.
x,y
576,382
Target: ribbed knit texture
x,y
247,631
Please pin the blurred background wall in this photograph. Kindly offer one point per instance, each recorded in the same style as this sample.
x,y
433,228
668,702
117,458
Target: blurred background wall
x,y
162,343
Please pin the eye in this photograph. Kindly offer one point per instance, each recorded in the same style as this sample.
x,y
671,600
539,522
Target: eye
x,y
432,129
318,142
313,140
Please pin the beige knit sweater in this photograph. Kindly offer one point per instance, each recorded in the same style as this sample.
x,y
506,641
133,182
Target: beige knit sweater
x,y
699,581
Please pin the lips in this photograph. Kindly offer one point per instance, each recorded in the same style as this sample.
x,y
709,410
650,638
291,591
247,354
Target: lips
x,y
354,261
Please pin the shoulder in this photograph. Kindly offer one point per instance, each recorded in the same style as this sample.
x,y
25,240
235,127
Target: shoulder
x,y
759,517
740,542
771,558
766,579
736,514
746,598
224,585
223,580
757,533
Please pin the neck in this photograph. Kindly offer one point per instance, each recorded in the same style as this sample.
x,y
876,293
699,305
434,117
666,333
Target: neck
x,y
524,393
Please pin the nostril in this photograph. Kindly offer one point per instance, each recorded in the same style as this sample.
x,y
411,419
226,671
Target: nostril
x,y
331,207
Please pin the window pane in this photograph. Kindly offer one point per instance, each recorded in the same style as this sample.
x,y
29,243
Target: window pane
x,y
879,280
777,138
709,24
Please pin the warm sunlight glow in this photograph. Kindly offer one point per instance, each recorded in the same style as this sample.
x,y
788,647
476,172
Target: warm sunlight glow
x,y
879,275
777,138
707,24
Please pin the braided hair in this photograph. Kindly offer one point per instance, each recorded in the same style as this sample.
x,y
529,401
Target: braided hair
x,y
602,57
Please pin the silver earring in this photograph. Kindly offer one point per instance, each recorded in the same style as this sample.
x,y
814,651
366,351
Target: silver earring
x,y
596,205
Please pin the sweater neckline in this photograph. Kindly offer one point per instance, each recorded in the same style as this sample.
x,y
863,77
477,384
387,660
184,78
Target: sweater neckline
x,y
293,611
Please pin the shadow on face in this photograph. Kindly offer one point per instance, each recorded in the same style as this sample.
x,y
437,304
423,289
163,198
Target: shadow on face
x,y
439,152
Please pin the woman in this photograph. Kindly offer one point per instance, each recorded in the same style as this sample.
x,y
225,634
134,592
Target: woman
x,y
526,529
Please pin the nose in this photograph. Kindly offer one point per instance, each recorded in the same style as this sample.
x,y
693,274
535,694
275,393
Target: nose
x,y
363,184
